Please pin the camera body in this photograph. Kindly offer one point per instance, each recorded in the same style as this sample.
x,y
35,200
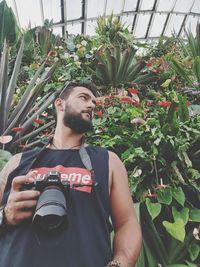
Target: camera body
x,y
52,179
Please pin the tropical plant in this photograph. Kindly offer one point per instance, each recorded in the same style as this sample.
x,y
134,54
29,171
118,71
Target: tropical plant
x,y
115,67
17,117
8,25
155,141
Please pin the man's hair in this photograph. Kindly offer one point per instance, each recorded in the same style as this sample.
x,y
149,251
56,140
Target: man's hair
x,y
69,87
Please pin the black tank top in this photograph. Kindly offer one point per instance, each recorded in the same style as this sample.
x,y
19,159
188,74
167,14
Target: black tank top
x,y
86,241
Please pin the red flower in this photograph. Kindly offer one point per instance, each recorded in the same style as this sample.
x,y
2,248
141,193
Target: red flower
x,y
133,91
38,121
18,129
161,185
99,114
164,104
149,103
127,99
136,103
149,64
99,104
149,194
52,54
108,96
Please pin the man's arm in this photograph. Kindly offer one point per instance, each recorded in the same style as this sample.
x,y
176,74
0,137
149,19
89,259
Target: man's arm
x,y
8,168
128,238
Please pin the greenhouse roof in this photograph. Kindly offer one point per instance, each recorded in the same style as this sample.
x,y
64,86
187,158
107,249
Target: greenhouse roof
x,y
145,19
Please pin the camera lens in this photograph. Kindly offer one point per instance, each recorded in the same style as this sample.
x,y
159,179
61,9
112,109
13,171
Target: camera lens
x,y
51,210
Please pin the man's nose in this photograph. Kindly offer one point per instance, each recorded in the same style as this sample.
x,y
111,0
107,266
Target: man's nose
x,y
91,104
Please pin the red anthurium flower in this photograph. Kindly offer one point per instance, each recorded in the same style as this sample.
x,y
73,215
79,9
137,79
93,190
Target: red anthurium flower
x,y
127,99
4,139
149,64
149,103
161,185
38,121
164,104
99,104
133,91
99,114
108,96
52,54
149,194
18,129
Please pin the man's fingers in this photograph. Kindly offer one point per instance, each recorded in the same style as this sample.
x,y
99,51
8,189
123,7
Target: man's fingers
x,y
26,205
25,195
19,181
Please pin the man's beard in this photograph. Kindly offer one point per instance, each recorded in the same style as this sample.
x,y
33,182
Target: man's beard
x,y
75,121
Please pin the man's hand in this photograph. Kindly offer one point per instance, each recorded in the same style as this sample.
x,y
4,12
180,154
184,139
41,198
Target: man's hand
x,y
21,204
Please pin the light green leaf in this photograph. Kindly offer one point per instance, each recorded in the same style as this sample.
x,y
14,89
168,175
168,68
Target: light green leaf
x,y
195,215
153,208
176,229
183,214
165,196
179,195
194,250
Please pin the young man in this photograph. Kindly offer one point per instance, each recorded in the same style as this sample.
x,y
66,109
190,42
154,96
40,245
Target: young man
x,y
96,193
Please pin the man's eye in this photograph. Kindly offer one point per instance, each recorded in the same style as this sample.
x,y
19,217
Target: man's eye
x,y
83,97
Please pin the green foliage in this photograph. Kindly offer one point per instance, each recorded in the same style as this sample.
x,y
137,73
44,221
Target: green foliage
x,y
8,26
4,157
20,116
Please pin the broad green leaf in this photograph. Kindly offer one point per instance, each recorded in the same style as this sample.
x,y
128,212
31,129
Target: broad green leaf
x,y
194,250
176,229
183,214
165,196
179,195
153,208
195,215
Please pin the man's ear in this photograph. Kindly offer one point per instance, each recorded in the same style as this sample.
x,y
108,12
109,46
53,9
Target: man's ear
x,y
59,104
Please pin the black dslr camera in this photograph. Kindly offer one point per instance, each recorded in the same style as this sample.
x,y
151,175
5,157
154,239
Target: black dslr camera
x,y
51,210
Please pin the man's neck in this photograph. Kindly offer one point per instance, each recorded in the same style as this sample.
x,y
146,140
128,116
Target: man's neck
x,y
66,139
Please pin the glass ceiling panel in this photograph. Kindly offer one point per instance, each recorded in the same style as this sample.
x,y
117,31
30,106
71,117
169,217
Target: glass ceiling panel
x,y
183,5
23,9
158,24
196,7
174,25
128,21
164,5
74,29
147,5
52,10
90,28
141,26
30,11
130,5
97,11
192,23
113,6
74,9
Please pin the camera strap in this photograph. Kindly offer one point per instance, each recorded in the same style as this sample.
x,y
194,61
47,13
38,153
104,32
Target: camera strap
x,y
85,158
